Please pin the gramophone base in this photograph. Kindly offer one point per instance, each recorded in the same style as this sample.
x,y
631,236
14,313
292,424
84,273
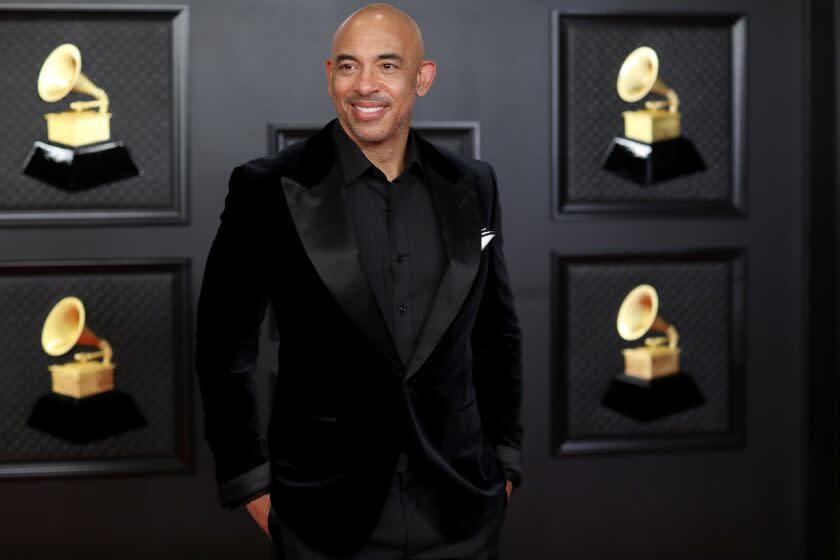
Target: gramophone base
x,y
651,399
76,169
647,164
88,419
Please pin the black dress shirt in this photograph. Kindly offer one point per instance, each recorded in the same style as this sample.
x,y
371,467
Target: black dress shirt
x,y
396,228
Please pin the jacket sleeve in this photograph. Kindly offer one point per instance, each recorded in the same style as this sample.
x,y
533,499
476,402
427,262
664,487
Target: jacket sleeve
x,y
231,307
497,353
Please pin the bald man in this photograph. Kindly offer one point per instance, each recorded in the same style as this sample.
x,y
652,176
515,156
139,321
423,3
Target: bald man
x,y
395,429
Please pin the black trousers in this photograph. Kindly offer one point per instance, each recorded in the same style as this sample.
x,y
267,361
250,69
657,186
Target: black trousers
x,y
408,527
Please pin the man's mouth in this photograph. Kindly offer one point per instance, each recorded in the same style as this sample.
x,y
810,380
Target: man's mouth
x,y
368,110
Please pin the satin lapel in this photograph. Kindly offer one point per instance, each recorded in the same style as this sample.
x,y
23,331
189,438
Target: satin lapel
x,y
320,217
458,213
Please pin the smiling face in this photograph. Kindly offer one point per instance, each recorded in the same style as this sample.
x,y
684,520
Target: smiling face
x,y
375,71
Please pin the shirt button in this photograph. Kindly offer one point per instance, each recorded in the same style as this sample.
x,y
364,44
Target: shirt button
x,y
400,258
402,308
387,208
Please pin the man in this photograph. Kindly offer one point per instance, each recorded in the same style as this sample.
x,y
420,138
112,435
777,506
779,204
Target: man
x,y
395,429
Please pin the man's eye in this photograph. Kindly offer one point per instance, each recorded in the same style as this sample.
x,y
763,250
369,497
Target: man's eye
x,y
346,66
388,66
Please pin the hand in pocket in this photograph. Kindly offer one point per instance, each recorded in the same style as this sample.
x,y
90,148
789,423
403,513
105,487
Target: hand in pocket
x,y
258,508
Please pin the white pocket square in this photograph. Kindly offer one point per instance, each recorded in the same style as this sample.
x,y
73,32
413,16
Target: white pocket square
x,y
486,236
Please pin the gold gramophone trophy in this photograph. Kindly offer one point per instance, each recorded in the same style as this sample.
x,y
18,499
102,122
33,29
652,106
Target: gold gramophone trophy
x,y
652,148
85,375
652,384
83,405
79,153
638,314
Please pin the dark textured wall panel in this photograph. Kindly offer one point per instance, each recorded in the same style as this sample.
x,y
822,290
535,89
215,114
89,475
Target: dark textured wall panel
x,y
129,54
699,295
696,57
139,309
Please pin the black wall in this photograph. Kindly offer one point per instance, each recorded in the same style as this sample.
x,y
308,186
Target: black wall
x,y
255,62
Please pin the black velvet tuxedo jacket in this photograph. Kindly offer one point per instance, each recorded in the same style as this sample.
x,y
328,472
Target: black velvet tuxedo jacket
x,y
344,405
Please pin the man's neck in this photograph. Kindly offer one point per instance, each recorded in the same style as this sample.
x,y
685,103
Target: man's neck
x,y
388,156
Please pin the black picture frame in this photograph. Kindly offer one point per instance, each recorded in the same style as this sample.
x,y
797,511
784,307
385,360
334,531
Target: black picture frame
x,y
176,212
466,134
565,443
181,458
563,207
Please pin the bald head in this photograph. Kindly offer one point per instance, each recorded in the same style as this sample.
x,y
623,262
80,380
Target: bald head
x,y
375,70
385,17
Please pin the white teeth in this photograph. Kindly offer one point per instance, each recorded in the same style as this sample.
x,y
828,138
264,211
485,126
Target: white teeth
x,y
369,109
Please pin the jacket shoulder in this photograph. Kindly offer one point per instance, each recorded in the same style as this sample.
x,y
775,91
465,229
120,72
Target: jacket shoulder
x,y
257,181
305,162
481,171
285,162
466,165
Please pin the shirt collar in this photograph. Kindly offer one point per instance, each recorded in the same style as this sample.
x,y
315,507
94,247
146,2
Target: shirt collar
x,y
354,162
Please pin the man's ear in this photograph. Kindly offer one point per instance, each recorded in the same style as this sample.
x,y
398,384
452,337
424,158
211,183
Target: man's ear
x,y
426,76
328,70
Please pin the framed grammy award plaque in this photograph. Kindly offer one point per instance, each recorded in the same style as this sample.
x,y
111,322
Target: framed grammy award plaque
x,y
94,123
648,351
96,367
648,114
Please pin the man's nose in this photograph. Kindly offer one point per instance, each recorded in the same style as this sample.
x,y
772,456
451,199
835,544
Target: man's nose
x,y
367,82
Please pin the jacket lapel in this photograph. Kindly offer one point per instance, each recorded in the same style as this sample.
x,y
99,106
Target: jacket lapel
x,y
320,216
456,203
319,213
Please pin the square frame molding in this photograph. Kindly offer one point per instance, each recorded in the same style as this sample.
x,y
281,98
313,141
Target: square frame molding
x,y
564,442
181,458
564,206
100,213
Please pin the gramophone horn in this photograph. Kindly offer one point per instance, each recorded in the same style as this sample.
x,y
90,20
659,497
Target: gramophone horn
x,y
639,76
65,327
61,74
639,313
